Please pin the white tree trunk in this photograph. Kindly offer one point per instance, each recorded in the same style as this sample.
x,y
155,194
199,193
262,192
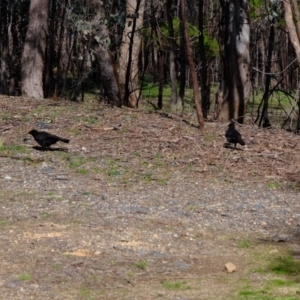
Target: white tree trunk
x,y
34,50
135,13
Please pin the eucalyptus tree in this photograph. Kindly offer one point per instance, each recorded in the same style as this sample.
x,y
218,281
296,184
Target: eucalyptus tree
x,y
34,50
128,67
234,90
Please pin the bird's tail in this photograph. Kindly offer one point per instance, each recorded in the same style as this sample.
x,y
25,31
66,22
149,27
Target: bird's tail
x,y
64,140
241,141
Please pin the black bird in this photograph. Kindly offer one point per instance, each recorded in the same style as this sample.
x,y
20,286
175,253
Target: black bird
x,y
233,136
46,139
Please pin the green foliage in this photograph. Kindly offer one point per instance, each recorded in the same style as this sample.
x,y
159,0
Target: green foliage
x,y
211,46
255,6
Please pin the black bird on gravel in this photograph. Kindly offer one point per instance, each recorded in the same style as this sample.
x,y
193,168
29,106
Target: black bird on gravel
x,y
46,139
233,136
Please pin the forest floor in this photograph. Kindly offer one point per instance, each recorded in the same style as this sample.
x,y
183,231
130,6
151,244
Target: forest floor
x,y
143,205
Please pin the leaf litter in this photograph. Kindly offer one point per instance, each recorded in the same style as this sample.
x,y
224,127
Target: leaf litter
x,y
137,186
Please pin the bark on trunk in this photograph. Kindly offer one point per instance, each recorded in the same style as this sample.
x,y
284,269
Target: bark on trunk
x,y
205,95
34,50
128,72
174,101
234,91
192,67
108,76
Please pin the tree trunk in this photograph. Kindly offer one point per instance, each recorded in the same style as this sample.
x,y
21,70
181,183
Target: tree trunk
x,y
205,97
292,29
189,55
100,44
49,57
34,50
234,91
4,71
129,53
161,78
294,37
108,76
59,50
264,116
182,75
174,101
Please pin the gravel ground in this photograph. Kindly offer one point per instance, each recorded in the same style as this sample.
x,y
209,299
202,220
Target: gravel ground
x,y
137,202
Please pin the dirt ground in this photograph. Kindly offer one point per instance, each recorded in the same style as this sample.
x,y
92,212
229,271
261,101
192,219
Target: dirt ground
x,y
143,205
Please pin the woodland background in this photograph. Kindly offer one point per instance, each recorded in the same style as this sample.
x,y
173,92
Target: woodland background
x,y
234,54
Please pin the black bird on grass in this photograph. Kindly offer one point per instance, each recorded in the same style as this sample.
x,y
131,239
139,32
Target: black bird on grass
x,y
46,139
233,136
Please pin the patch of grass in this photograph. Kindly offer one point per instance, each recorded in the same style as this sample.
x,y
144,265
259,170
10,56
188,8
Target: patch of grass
x,y
273,185
45,214
284,265
262,295
142,264
56,266
85,193
137,154
76,162
53,195
253,295
2,140
244,244
209,137
85,291
82,171
280,283
92,120
147,177
113,172
176,285
25,277
5,116
13,148
3,222
193,208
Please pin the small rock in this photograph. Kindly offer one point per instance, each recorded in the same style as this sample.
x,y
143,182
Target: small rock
x,y
274,251
13,283
230,267
280,238
264,223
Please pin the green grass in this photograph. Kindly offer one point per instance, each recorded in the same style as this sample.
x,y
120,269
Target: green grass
x,y
142,265
2,140
244,243
56,266
82,171
25,277
273,185
3,222
176,285
284,265
113,172
76,162
12,148
263,295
